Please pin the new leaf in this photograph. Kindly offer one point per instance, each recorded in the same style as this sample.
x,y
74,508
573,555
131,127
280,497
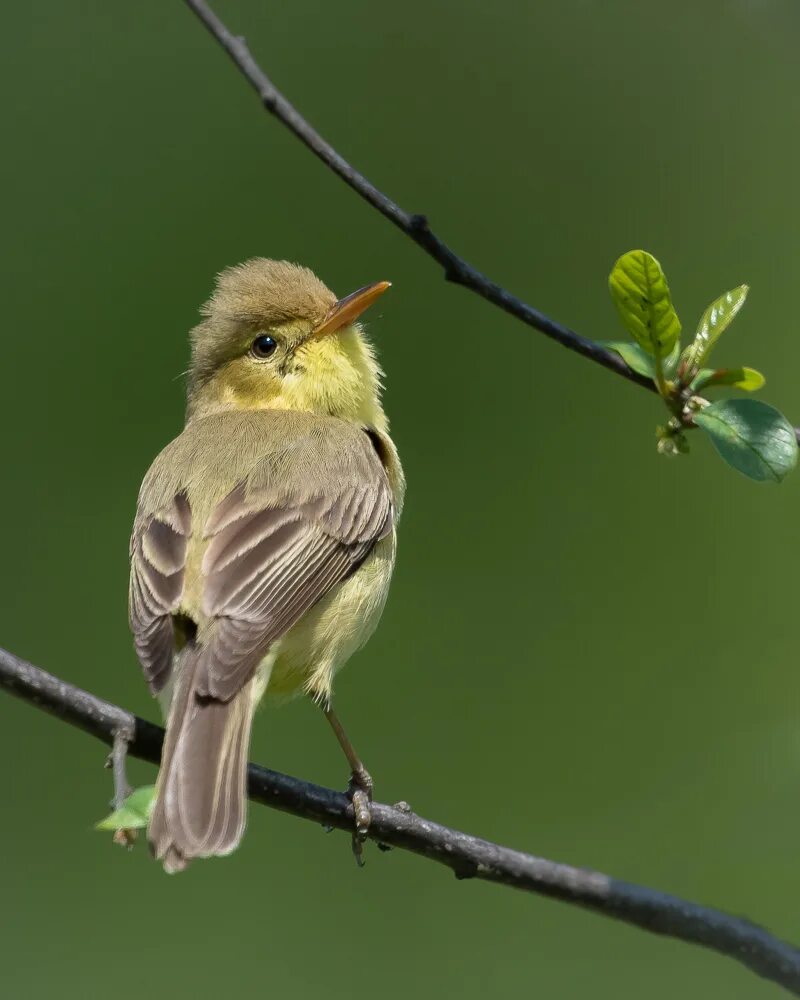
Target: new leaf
x,y
713,323
639,360
740,378
641,295
133,814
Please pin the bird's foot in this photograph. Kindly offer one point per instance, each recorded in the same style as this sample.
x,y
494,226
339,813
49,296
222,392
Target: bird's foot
x,y
360,792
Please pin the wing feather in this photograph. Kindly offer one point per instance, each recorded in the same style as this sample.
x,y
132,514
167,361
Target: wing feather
x,y
158,556
266,565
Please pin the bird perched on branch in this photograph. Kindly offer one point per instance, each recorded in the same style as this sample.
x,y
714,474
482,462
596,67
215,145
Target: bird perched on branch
x,y
264,539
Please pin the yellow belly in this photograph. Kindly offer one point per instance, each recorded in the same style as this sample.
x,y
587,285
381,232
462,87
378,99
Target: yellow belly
x,y
308,657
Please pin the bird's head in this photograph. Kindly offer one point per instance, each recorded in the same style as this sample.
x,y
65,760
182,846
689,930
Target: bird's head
x,y
274,336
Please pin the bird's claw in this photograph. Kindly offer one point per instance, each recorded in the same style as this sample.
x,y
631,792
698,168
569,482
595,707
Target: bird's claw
x,y
360,792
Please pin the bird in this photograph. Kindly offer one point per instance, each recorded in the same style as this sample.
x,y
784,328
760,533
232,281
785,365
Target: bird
x,y
264,540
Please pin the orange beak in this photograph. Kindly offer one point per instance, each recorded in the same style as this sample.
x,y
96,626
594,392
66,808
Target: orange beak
x,y
348,309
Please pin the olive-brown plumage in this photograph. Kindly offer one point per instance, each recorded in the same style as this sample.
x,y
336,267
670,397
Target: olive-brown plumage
x,y
264,537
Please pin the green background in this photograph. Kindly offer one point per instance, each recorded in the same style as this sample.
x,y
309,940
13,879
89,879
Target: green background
x,y
589,652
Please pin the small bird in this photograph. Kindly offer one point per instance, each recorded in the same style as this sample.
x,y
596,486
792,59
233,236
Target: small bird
x,y
264,540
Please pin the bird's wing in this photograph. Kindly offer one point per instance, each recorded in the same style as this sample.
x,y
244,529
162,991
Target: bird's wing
x,y
158,555
301,519
266,564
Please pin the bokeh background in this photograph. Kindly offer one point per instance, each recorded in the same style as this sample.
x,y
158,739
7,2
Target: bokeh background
x,y
590,652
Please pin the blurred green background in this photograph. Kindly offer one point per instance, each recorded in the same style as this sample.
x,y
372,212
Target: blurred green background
x,y
589,651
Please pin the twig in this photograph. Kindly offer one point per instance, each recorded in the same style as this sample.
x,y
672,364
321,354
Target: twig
x,y
456,269
117,761
467,856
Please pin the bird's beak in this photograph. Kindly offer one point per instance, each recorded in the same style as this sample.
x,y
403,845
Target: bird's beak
x,y
347,310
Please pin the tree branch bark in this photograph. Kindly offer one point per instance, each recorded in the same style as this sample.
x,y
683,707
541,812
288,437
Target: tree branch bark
x,y
416,226
467,856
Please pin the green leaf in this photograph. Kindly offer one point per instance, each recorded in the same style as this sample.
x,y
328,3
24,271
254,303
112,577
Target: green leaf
x,y
639,360
740,378
754,438
713,323
641,295
633,356
134,812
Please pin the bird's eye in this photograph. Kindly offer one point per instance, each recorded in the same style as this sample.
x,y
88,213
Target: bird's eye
x,y
264,346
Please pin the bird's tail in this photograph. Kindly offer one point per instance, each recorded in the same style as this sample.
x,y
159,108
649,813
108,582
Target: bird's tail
x,y
201,792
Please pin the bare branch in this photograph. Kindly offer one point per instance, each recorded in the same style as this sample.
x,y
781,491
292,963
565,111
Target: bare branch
x,y
456,269
468,856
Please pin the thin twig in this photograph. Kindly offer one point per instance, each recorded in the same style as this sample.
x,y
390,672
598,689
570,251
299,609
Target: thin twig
x,y
416,226
118,759
456,269
467,856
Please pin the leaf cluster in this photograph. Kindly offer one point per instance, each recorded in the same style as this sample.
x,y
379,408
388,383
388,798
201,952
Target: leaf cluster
x,y
753,437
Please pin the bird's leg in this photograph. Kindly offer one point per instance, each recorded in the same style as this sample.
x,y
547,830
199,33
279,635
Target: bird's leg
x,y
359,789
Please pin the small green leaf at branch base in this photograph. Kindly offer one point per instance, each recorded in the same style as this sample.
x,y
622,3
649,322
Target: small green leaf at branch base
x,y
740,378
641,295
639,360
134,813
754,438
713,323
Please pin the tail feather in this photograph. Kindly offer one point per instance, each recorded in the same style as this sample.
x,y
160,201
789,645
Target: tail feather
x,y
201,793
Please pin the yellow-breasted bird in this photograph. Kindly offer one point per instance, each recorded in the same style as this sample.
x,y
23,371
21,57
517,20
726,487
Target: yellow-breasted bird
x,y
264,538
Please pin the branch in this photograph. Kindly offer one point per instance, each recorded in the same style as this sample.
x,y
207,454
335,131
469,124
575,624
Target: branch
x,y
398,826
456,269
